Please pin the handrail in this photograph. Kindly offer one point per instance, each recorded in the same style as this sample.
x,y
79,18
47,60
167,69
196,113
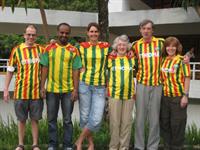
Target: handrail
x,y
194,69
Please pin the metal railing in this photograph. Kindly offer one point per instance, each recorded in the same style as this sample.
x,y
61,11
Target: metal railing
x,y
195,70
3,65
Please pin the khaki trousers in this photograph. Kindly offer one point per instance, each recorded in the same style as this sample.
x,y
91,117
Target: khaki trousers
x,y
120,113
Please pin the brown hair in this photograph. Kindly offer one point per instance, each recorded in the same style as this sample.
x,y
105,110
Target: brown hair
x,y
172,41
30,26
146,21
93,24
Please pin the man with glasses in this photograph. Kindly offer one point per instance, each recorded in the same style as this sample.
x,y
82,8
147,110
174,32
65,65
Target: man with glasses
x,y
61,63
25,59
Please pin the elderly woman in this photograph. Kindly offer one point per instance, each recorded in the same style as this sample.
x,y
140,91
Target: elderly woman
x,y
92,85
121,94
176,82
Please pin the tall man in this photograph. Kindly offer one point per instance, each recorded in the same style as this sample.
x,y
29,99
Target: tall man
x,y
25,59
148,93
61,63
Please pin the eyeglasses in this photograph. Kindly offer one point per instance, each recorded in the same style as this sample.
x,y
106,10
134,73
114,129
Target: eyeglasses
x,y
33,35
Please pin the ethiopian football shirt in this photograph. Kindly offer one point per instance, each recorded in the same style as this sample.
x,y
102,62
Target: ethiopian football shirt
x,y
26,61
173,73
94,59
120,77
149,61
60,60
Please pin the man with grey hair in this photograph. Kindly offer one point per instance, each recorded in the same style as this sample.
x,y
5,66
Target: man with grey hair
x,y
148,93
148,51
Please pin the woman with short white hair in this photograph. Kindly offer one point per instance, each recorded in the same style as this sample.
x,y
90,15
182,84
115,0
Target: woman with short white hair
x,y
121,93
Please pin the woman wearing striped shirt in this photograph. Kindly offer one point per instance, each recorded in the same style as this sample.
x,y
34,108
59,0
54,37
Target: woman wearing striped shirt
x,y
176,81
92,84
121,93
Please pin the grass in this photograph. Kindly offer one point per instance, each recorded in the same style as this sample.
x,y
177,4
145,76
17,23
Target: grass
x,y
9,137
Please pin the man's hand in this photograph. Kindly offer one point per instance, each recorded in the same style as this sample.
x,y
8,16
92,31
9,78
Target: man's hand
x,y
186,59
6,95
184,101
74,96
43,93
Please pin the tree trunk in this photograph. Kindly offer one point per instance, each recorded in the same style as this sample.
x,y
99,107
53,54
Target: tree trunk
x,y
103,19
44,20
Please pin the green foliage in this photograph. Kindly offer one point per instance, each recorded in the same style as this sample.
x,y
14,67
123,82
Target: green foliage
x,y
193,135
73,5
186,3
7,42
9,138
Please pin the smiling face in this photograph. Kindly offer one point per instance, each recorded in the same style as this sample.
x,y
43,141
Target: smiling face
x,y
63,34
146,31
30,36
93,34
171,50
122,48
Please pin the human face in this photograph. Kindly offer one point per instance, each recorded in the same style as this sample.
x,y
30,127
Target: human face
x,y
30,36
146,31
93,34
63,34
122,47
171,50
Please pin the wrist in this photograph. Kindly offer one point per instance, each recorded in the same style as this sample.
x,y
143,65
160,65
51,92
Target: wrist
x,y
186,94
75,90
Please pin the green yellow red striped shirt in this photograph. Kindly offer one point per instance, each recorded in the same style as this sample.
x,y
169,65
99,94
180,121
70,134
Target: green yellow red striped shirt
x,y
60,60
94,59
26,60
120,77
149,61
173,73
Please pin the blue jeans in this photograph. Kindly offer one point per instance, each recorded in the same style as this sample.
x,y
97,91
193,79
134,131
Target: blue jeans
x,y
53,102
91,105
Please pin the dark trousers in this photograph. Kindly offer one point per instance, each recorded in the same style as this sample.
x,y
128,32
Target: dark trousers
x,y
53,102
172,122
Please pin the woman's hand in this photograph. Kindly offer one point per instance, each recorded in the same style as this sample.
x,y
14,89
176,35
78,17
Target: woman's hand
x,y
184,101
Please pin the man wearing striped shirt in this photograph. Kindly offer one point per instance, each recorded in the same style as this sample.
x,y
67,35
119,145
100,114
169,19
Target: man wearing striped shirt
x,y
149,89
25,59
61,63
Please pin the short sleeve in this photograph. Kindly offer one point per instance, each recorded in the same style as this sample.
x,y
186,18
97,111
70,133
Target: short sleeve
x,y
44,59
77,62
186,69
12,61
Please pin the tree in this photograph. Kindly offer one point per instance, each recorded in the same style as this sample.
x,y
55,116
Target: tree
x,y
187,3
14,3
103,19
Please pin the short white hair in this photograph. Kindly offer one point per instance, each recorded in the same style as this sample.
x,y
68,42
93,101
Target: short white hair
x,y
123,38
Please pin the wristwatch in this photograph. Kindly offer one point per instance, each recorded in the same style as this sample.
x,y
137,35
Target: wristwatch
x,y
186,94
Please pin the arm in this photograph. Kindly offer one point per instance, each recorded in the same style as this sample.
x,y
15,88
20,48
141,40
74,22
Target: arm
x,y
6,95
184,100
43,80
76,83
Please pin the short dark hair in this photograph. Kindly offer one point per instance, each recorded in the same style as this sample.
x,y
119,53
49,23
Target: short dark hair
x,y
93,24
146,21
172,41
65,24
30,26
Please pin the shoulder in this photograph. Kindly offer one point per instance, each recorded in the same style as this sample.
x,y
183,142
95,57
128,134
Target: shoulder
x,y
160,39
71,48
104,45
85,44
50,46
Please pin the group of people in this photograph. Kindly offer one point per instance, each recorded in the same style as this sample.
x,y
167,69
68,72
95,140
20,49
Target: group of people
x,y
86,71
